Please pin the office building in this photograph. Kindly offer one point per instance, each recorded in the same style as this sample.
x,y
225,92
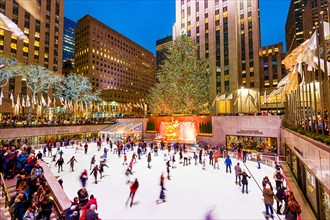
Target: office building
x,y
68,45
301,19
122,69
162,47
228,34
43,45
272,72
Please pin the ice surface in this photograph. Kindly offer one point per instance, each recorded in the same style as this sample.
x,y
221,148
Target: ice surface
x,y
190,193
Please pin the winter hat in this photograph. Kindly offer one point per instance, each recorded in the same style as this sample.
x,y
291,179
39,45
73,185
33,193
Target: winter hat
x,y
266,177
93,207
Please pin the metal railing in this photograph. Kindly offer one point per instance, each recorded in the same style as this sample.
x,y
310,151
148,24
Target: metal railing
x,y
5,192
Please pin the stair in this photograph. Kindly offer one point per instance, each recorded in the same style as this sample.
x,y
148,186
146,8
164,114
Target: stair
x,y
11,187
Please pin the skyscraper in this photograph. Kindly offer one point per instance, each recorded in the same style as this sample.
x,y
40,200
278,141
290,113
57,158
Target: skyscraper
x,y
301,18
228,33
68,45
122,69
162,46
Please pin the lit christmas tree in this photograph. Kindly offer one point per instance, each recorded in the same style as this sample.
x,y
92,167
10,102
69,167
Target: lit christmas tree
x,y
182,85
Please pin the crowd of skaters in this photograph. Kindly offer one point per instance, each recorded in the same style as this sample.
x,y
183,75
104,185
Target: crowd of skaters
x,y
171,153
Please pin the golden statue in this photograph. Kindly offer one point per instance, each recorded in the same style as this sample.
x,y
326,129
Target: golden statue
x,y
172,131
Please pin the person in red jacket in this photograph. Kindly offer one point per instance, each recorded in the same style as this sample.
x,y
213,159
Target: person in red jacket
x,y
91,201
133,189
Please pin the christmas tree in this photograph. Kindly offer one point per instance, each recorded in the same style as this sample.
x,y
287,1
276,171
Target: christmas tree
x,y
182,84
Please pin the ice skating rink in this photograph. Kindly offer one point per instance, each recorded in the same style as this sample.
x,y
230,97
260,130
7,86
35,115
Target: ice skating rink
x,y
190,194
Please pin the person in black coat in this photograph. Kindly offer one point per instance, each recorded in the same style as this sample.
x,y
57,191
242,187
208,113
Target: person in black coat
x,y
244,181
280,194
82,196
60,163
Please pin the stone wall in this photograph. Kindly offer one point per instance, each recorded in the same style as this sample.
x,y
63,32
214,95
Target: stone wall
x,y
256,126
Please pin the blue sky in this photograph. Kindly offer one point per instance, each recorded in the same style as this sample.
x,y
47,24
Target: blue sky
x,y
145,21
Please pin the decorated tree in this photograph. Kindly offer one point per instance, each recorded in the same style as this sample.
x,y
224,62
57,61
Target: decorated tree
x,y
8,68
182,82
39,80
77,90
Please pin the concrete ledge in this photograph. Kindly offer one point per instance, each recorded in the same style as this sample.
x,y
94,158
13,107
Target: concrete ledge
x,y
58,194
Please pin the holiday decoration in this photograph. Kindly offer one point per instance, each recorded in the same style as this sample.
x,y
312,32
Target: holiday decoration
x,y
182,82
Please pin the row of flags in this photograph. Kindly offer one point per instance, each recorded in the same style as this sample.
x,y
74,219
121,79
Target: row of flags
x,y
25,102
251,95
304,53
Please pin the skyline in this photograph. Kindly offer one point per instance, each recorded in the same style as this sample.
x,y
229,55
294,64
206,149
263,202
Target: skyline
x,y
158,16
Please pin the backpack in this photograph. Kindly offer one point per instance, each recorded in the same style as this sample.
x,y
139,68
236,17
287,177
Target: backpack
x,y
279,176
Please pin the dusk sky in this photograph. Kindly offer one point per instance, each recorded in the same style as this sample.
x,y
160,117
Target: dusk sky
x,y
145,21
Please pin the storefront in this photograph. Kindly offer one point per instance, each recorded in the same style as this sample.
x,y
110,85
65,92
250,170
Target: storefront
x,y
316,193
122,131
41,135
252,143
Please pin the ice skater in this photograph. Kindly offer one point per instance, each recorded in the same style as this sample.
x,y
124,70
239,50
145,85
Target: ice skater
x,y
228,164
125,160
133,188
94,172
162,189
71,161
149,160
93,160
60,163
245,181
168,170
102,165
83,178
238,170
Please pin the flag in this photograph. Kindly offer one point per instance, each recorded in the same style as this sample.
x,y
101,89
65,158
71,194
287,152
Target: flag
x,y
43,101
249,97
12,99
31,6
230,97
264,99
28,104
238,94
18,100
222,97
7,24
34,99
1,96
23,102
49,101
256,99
62,100
54,102
216,98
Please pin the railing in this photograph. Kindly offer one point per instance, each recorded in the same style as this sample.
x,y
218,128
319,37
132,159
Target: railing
x,y
268,160
4,191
